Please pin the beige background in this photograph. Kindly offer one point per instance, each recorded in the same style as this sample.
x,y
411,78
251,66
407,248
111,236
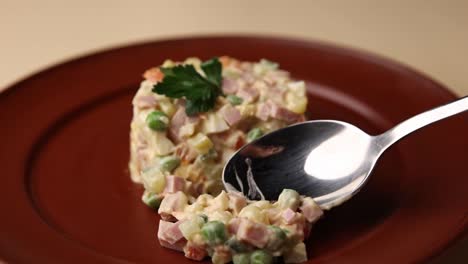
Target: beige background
x,y
431,36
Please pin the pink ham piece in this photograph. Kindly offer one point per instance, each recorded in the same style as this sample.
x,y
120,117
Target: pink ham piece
x,y
145,101
179,246
284,114
236,202
253,233
288,216
229,86
174,184
248,94
310,210
263,111
230,114
233,225
179,119
194,252
173,202
169,235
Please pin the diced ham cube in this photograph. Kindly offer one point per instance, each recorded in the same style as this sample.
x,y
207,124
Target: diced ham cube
x,y
236,202
284,114
288,216
153,75
230,114
253,233
263,111
247,76
229,86
174,184
145,101
311,211
276,94
169,233
248,94
177,246
171,203
233,225
178,120
194,252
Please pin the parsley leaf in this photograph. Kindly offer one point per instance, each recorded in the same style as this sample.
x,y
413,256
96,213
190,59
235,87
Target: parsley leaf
x,y
184,81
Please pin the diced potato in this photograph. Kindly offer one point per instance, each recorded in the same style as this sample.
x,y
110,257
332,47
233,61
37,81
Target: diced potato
x,y
298,88
288,199
168,64
262,204
191,226
295,103
297,254
195,208
187,130
254,213
200,143
222,216
193,61
214,124
163,146
167,107
264,66
219,203
182,171
247,110
154,180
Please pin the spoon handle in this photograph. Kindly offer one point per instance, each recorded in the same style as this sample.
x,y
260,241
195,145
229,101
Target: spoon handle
x,y
416,122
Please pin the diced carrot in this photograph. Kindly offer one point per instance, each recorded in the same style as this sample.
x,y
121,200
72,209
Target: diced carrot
x,y
225,60
153,75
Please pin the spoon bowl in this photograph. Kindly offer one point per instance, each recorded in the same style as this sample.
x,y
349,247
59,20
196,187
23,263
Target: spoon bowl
x,y
327,160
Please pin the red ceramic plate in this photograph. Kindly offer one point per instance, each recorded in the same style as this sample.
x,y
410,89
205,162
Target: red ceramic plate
x,y
66,196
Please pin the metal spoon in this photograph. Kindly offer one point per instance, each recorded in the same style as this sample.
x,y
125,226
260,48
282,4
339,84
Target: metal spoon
x,y
327,160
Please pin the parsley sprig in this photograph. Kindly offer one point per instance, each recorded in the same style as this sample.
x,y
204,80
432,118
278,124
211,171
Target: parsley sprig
x,y
184,81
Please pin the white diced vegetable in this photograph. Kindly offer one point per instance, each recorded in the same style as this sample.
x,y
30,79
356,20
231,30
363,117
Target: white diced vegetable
x,y
297,254
154,180
214,124
191,226
254,213
288,199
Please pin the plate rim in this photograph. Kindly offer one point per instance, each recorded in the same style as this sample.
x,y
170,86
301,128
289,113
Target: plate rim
x,y
340,49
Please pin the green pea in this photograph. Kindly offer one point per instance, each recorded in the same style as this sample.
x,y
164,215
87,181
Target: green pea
x,y
234,99
214,232
169,163
260,257
152,200
157,121
254,134
236,245
241,259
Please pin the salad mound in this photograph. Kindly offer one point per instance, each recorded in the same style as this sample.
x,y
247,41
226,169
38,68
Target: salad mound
x,y
188,119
